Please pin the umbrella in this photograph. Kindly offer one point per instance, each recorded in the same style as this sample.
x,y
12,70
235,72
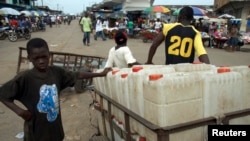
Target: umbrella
x,y
1,12
197,11
9,11
35,13
201,17
43,13
26,13
158,8
226,16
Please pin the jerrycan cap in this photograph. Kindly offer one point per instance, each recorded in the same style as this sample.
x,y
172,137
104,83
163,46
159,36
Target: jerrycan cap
x,y
137,68
223,69
120,122
142,138
112,117
153,77
114,71
124,75
197,62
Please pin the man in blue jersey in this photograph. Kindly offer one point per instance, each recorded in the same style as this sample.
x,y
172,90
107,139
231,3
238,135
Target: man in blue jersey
x,y
182,41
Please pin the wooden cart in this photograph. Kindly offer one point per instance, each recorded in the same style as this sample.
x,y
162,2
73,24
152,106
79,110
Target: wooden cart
x,y
163,133
69,61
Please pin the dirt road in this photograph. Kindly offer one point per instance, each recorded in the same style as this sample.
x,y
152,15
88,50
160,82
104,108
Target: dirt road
x,y
75,107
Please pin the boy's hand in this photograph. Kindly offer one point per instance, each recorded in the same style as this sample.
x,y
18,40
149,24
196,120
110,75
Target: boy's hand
x,y
106,70
25,114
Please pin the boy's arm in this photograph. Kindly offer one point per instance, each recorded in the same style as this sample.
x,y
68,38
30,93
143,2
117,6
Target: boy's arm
x,y
200,50
132,64
204,58
86,75
156,43
25,114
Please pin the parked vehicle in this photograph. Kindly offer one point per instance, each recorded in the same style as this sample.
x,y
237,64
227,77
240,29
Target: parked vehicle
x,y
16,33
41,26
4,32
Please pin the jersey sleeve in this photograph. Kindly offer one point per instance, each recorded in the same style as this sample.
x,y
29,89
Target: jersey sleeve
x,y
167,27
198,45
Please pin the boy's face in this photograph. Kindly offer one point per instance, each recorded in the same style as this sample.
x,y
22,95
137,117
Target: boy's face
x,y
39,58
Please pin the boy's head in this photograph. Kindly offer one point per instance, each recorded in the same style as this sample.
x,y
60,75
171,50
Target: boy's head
x,y
186,13
38,53
121,38
36,43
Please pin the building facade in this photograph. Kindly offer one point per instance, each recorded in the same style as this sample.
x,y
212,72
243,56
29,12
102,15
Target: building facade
x,y
238,8
17,4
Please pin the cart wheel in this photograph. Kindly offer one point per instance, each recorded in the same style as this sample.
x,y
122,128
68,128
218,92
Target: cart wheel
x,y
81,84
145,40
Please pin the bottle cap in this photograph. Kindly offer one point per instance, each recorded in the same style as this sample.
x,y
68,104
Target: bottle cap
x,y
119,122
137,68
112,117
142,139
124,75
153,77
197,62
114,71
223,69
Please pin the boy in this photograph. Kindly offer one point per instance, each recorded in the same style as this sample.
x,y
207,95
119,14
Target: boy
x,y
120,55
181,41
38,90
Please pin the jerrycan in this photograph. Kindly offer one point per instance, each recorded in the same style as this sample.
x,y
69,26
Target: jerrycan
x,y
171,99
223,92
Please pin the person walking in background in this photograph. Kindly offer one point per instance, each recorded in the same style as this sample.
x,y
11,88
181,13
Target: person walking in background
x,y
86,27
69,19
131,28
106,23
57,21
99,29
181,41
38,89
120,55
